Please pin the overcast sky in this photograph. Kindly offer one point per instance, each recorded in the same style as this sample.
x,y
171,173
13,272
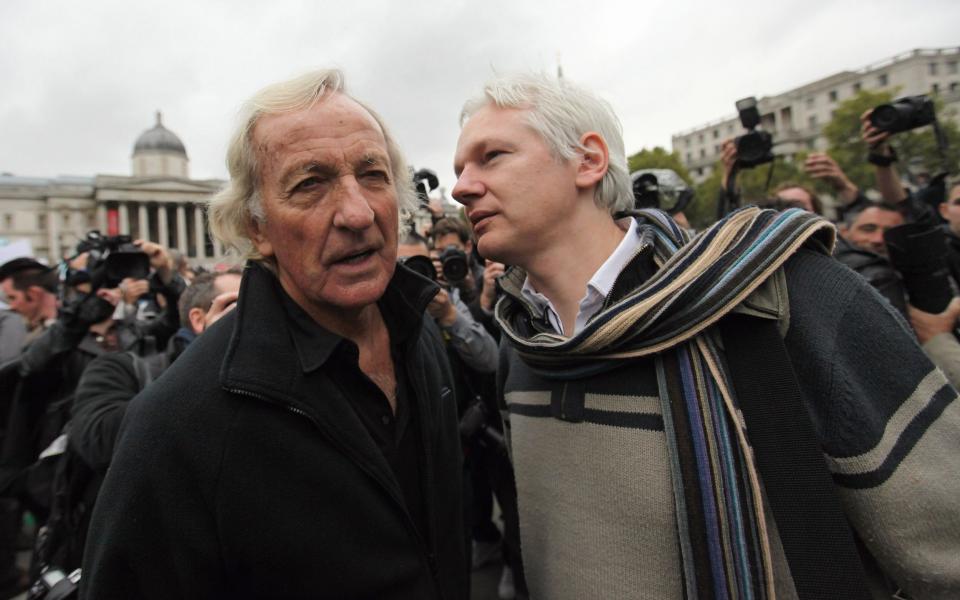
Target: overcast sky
x,y
79,81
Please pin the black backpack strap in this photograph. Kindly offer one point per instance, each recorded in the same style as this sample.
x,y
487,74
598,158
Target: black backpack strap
x,y
816,536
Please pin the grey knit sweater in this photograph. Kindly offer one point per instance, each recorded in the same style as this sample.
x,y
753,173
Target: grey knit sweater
x,y
597,515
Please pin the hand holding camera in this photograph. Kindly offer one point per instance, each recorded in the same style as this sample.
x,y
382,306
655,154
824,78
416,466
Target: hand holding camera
x,y
821,166
491,271
442,308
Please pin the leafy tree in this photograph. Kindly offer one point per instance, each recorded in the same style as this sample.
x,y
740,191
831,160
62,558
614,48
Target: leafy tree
x,y
659,158
917,147
752,183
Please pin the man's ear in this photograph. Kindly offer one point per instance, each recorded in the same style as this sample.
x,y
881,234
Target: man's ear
x,y
594,160
843,229
260,241
196,316
942,207
469,247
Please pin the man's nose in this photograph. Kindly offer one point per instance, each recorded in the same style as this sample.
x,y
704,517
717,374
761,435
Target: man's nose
x,y
468,187
353,207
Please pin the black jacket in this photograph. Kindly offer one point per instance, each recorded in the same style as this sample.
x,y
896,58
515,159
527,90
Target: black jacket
x,y
239,475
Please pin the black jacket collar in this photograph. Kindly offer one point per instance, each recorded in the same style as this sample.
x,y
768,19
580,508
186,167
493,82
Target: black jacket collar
x,y
274,342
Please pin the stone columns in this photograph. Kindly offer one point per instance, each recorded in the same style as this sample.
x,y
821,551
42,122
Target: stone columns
x,y
182,245
143,221
53,236
198,231
162,225
101,217
124,216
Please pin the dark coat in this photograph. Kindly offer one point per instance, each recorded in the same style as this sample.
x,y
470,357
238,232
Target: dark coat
x,y
239,475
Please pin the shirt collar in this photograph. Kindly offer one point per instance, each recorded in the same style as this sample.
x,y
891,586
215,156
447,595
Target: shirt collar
x,y
315,344
598,287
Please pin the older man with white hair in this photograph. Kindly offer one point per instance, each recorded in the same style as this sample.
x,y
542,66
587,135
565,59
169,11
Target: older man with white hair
x,y
306,445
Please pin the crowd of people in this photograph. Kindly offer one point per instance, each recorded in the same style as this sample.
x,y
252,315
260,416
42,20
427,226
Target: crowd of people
x,y
759,409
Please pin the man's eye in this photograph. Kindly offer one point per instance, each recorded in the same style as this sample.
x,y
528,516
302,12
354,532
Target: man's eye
x,y
376,176
307,184
492,155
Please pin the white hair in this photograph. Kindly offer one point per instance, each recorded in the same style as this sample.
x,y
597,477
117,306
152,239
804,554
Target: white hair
x,y
233,209
561,112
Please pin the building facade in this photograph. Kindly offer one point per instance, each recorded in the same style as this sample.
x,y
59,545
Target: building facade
x,y
796,118
158,202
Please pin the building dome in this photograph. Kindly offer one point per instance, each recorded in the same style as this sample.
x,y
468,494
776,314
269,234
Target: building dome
x,y
158,152
159,139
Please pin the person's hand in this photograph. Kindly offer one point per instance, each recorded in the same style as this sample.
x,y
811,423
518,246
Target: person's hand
x,y
491,271
874,137
131,289
821,166
728,155
159,259
442,309
928,325
220,306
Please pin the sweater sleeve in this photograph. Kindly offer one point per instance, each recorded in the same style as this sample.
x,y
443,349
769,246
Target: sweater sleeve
x,y
944,351
888,421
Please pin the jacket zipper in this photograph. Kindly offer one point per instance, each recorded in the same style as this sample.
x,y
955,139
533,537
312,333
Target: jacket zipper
x,y
408,520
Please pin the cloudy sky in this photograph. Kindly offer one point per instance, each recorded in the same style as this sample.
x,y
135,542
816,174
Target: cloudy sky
x,y
79,81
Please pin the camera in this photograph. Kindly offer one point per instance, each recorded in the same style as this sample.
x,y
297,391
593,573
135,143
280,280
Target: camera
x,y
425,181
113,259
420,265
475,423
903,114
54,584
755,147
917,251
454,263
660,188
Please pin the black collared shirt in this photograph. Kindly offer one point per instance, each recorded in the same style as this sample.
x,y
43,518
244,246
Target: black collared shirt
x,y
398,436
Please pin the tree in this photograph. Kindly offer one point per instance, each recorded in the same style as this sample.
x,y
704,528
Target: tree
x,y
751,182
917,147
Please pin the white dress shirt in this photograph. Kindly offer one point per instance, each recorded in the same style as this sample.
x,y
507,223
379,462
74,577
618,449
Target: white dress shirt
x,y
598,287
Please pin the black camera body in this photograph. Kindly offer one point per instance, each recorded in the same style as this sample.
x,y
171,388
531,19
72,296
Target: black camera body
x,y
113,259
904,114
755,147
421,265
425,181
660,188
918,252
454,263
475,424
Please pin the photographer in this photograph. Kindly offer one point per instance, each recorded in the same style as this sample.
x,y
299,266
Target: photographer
x,y
102,396
473,357
817,165
46,375
453,255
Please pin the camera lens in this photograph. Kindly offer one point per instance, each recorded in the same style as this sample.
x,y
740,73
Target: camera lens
x,y
885,116
454,264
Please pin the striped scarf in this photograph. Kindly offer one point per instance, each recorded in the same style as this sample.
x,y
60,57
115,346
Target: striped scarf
x,y
722,532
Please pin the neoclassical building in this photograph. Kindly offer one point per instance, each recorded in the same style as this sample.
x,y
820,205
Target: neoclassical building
x,y
158,202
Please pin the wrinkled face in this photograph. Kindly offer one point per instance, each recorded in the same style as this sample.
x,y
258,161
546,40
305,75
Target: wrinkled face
x,y
867,230
950,210
330,203
24,302
798,197
515,191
